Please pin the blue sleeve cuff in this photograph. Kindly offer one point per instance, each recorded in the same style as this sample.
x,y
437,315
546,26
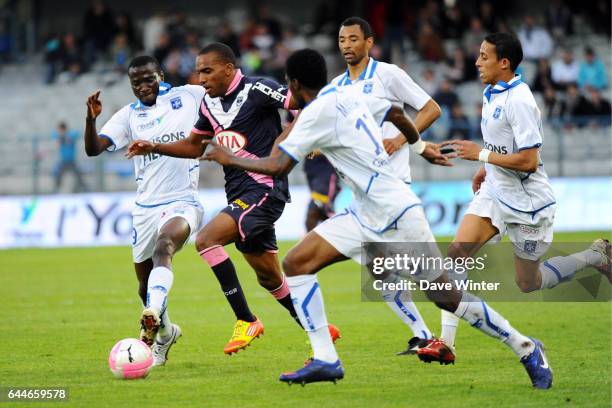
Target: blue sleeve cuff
x,y
386,114
288,154
530,147
110,139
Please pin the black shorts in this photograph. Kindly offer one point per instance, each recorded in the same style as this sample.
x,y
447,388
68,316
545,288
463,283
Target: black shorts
x,y
324,187
255,214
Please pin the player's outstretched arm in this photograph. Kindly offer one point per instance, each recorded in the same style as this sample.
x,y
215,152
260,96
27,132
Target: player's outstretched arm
x,y
94,144
279,164
429,151
188,148
526,160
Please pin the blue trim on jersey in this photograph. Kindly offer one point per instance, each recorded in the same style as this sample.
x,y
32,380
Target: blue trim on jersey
x,y
501,87
490,323
399,304
386,114
306,302
373,68
330,90
139,178
194,167
392,224
372,177
533,213
529,147
284,150
346,79
159,205
110,139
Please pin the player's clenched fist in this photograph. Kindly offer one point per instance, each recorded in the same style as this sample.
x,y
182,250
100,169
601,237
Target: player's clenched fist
x,y
217,153
139,147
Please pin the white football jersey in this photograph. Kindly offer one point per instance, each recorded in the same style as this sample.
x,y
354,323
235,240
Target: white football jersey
x,y
388,81
511,122
345,125
160,179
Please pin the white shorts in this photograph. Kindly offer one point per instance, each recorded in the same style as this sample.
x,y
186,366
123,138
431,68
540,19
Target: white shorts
x,y
530,238
147,223
346,234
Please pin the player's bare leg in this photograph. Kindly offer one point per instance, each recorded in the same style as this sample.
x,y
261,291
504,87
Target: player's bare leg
x,y
211,239
302,262
472,234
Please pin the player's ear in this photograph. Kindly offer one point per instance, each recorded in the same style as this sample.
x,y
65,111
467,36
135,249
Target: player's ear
x,y
161,75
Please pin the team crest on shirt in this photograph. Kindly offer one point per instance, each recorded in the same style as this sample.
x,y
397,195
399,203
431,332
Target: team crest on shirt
x,y
176,103
367,88
497,112
232,140
239,100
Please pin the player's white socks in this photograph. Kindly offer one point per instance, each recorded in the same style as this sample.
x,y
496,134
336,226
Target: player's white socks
x,y
449,327
403,306
308,302
481,316
560,269
158,287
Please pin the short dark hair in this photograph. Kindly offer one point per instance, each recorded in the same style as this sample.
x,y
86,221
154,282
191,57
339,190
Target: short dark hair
x,y
223,51
143,60
507,45
366,28
308,67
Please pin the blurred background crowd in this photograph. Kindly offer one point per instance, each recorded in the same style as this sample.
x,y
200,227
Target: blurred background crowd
x,y
52,54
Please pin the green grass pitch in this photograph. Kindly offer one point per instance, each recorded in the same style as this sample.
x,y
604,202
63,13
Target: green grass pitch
x,y
62,310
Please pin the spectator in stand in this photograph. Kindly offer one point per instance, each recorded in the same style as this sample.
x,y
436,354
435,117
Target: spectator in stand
x,y
71,57
430,44
394,30
247,34
152,30
565,70
446,96
52,58
163,48
67,140
227,36
536,41
601,16
488,17
121,53
124,25
592,71
599,108
177,28
543,76
473,38
460,126
455,23
577,107
554,105
429,83
460,68
558,19
98,31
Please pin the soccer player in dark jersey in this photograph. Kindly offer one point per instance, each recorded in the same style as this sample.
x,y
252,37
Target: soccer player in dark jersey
x,y
241,113
324,186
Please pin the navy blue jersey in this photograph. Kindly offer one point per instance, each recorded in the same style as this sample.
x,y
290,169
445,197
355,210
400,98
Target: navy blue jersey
x,y
246,120
318,166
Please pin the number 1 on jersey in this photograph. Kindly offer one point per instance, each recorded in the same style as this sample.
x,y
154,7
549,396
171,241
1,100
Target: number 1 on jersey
x,y
361,124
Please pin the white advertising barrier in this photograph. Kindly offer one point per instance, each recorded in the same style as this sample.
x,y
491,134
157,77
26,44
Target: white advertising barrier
x,y
104,218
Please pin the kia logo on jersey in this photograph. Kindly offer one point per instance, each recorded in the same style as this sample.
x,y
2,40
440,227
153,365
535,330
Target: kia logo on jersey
x,y
232,140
